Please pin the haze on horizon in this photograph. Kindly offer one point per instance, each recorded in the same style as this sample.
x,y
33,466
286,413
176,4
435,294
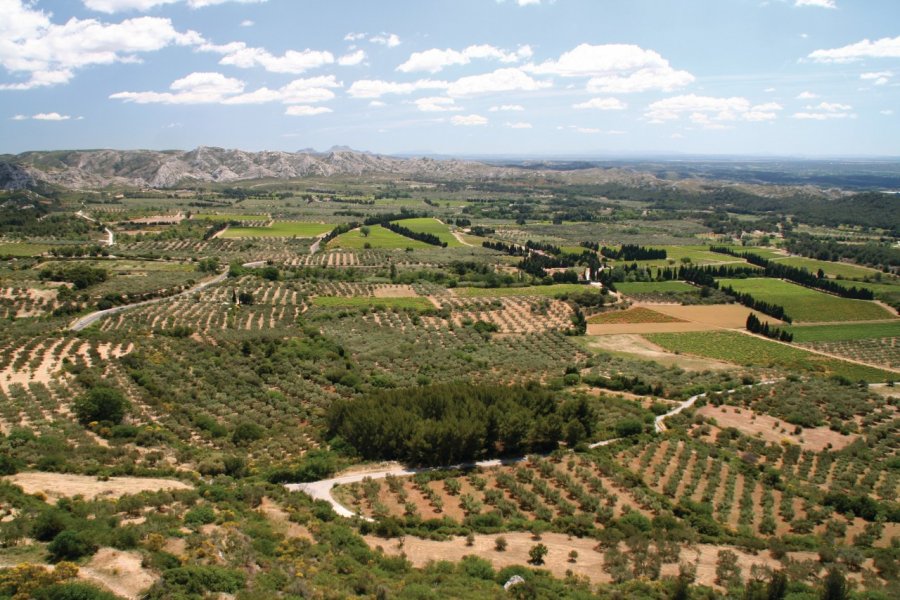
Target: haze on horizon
x,y
464,77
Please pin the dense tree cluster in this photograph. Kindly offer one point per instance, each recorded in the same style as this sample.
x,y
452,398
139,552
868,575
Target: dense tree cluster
x,y
879,255
754,325
81,276
453,423
633,252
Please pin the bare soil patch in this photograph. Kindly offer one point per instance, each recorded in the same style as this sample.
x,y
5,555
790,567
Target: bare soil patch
x,y
118,571
60,485
635,345
394,291
281,520
729,316
775,430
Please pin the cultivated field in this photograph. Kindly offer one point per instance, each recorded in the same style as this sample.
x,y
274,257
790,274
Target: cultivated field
x,y
432,226
379,237
279,229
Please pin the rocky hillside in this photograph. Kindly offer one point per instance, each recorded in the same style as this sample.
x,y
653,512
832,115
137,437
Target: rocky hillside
x,y
167,169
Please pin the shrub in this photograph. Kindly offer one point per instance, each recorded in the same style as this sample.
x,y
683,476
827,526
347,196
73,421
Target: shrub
x,y
198,580
71,545
246,432
101,404
74,590
500,544
537,553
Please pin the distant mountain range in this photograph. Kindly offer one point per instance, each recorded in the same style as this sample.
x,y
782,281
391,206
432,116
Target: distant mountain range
x,y
172,168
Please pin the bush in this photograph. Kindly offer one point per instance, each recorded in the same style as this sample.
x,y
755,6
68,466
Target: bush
x,y
71,545
246,432
72,591
101,404
198,580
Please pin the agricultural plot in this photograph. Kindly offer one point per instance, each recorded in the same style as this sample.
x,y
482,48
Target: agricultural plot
x,y
697,255
881,352
432,226
378,237
380,303
277,229
758,352
804,304
218,217
510,314
638,314
837,333
831,269
22,249
546,291
634,288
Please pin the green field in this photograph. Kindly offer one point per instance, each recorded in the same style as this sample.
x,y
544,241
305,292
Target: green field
x,y
280,229
379,237
228,217
338,302
432,226
22,249
807,305
832,269
549,291
754,351
836,333
699,255
654,287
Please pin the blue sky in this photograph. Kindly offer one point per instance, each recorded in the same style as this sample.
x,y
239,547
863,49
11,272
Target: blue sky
x,y
539,77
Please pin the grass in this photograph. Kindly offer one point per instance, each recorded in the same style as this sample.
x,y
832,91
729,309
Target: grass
x,y
654,287
837,333
379,237
699,255
634,315
753,351
549,291
228,217
432,226
832,269
22,249
804,304
339,302
280,229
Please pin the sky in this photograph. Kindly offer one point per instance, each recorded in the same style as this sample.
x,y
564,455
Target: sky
x,y
460,77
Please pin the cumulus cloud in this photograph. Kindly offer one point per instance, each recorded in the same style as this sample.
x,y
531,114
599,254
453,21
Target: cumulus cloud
x,y
806,96
391,40
519,125
435,59
352,58
436,104
469,120
238,54
507,108
501,80
878,78
601,104
114,6
51,116
816,3
215,88
826,111
301,110
710,112
883,48
49,54
376,88
616,68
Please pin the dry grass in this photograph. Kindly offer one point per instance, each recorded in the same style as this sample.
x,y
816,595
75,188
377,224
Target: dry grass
x,y
60,485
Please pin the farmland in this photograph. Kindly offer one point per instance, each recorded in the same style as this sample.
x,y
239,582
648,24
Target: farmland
x,y
631,421
279,229
804,304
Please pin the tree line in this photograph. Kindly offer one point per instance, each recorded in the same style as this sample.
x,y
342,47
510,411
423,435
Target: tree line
x,y
754,325
633,252
798,275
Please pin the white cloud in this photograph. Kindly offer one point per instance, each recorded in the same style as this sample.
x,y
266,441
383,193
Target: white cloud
x,y
825,111
501,80
879,78
30,43
247,23
883,48
816,3
377,104
238,54
352,58
616,68
52,116
710,112
391,40
436,104
468,120
590,130
435,59
519,125
528,2
806,96
301,110
507,108
215,88
354,37
602,104
376,88
887,112
114,6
